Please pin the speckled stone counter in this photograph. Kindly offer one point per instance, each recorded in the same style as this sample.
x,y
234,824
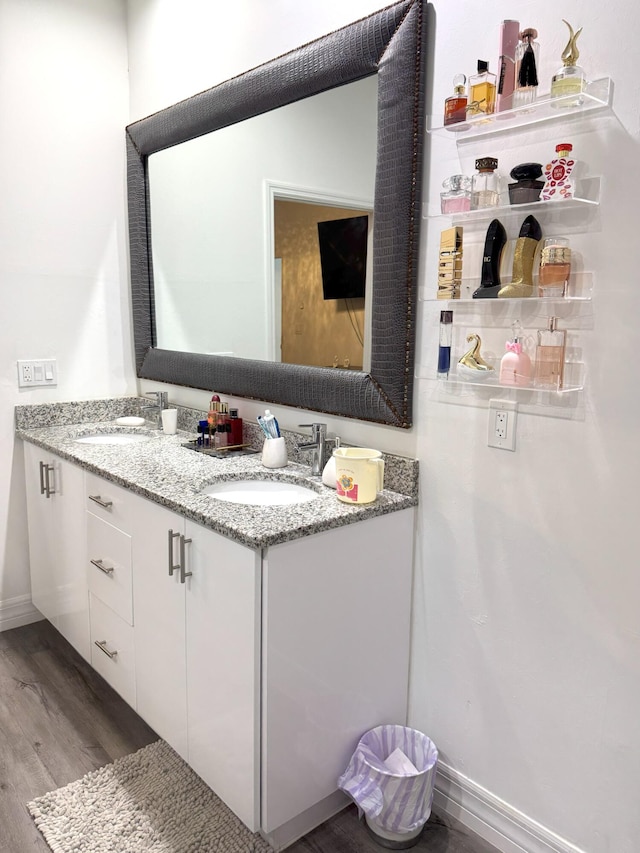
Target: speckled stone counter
x,y
163,470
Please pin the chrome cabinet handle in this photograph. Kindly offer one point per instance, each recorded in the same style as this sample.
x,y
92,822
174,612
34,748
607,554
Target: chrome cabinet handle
x,y
172,567
102,645
45,484
108,570
183,574
98,500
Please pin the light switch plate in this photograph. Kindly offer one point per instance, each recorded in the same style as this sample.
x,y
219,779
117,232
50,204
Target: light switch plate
x,y
40,372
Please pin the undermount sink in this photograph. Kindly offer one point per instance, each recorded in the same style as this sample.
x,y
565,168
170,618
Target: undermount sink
x,y
113,438
260,492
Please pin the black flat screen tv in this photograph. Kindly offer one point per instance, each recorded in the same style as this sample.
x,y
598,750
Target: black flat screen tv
x,y
343,257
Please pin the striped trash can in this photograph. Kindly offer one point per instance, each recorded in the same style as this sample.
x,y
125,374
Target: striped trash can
x,y
391,778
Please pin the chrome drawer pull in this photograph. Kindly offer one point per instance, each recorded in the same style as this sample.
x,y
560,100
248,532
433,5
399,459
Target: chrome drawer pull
x,y
102,645
183,574
97,499
172,567
45,484
108,570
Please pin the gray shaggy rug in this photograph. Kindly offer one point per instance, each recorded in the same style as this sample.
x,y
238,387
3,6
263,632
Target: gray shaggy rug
x,y
147,802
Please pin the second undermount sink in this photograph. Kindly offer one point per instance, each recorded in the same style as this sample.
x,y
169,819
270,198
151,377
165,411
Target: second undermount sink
x,y
113,438
260,492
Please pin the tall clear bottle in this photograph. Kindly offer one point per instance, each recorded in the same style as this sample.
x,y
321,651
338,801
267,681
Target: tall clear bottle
x,y
549,366
482,91
527,59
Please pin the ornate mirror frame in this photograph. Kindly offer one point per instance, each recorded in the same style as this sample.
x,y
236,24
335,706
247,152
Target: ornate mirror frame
x,y
391,44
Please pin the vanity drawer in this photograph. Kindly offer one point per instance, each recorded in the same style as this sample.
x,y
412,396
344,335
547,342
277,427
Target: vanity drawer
x,y
110,502
109,566
112,649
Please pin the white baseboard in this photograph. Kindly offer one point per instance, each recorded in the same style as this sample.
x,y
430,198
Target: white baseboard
x,y
491,818
18,611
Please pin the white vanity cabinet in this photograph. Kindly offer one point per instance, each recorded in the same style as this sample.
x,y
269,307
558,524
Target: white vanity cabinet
x,y
261,668
55,496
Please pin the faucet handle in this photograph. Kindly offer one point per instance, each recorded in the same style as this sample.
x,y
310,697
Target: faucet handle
x,y
161,398
316,428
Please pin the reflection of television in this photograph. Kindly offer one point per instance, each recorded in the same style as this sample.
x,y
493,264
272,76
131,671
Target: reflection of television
x,y
343,257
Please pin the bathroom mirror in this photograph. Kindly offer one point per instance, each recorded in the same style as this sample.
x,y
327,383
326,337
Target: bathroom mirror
x,y
390,44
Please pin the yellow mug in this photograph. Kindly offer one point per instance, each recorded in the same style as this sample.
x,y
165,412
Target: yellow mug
x,y
359,474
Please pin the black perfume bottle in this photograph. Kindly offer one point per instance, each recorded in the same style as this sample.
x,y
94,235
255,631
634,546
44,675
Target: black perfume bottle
x,y
494,244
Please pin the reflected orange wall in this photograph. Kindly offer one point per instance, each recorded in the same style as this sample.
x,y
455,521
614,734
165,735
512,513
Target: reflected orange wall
x,y
314,330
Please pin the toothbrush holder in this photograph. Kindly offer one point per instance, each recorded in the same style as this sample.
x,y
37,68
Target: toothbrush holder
x,y
274,453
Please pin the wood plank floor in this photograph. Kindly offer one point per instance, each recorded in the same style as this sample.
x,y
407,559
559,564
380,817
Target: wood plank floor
x,y
59,720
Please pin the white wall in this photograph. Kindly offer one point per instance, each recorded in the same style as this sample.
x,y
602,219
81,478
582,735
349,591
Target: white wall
x,y
63,293
526,648
525,666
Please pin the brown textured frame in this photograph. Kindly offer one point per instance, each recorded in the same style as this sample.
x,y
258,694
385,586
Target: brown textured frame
x,y
391,44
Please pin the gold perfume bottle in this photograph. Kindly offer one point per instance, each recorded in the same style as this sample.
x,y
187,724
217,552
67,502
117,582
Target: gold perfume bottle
x,y
522,277
482,91
570,79
549,367
450,264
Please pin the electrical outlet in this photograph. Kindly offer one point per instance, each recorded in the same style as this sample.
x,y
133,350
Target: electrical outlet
x,y
502,424
37,373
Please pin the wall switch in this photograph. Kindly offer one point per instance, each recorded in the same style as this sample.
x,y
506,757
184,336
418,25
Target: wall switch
x,y
502,424
37,373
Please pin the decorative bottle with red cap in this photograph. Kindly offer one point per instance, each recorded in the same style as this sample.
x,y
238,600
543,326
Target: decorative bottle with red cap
x,y
558,173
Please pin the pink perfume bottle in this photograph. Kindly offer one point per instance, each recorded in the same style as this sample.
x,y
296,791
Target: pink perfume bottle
x,y
457,195
515,366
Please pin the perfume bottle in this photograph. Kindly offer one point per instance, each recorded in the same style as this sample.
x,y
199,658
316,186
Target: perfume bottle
x,y
522,276
494,244
549,367
482,91
444,344
509,36
515,365
570,79
450,263
527,187
555,267
527,59
455,106
472,366
236,428
457,195
484,184
558,173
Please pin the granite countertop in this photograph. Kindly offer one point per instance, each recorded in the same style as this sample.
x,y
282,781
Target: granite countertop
x,y
164,471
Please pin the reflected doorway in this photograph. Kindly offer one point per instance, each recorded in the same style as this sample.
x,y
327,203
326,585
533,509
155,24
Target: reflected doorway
x,y
314,326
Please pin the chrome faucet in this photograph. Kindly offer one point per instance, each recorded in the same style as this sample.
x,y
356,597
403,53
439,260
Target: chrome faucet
x,y
316,446
161,402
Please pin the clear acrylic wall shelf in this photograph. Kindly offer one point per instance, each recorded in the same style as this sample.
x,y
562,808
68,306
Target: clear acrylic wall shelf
x,y
597,96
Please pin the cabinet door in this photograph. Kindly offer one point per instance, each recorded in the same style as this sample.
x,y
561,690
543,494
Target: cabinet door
x,y
223,668
336,615
41,533
158,618
57,543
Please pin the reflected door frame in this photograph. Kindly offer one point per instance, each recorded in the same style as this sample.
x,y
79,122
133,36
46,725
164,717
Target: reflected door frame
x,y
279,191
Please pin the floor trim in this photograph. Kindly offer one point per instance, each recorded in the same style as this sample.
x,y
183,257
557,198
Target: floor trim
x,y
18,611
494,820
